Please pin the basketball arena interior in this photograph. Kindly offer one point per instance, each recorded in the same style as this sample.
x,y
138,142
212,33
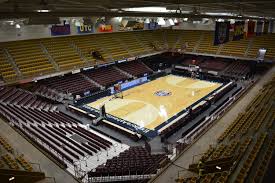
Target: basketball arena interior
x,y
137,91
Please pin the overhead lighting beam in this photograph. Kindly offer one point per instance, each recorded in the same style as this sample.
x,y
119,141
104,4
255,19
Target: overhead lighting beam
x,y
4,15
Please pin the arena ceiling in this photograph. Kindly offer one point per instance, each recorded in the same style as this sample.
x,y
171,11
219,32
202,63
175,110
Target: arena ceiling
x,y
185,8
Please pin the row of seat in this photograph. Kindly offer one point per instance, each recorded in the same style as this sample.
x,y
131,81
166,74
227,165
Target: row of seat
x,y
6,70
10,159
74,84
264,161
250,159
19,97
6,145
246,146
136,69
134,161
106,76
207,63
238,69
54,128
31,59
63,53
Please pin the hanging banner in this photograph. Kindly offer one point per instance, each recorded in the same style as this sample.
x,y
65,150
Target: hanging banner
x,y
271,26
221,32
105,28
138,26
266,26
85,29
250,29
259,28
238,30
57,30
131,25
151,26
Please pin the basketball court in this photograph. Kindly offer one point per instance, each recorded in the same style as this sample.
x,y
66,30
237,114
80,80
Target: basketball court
x,y
152,103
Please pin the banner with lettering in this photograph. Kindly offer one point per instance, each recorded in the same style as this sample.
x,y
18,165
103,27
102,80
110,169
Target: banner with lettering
x,y
105,28
57,30
238,31
266,26
222,32
259,28
250,29
85,29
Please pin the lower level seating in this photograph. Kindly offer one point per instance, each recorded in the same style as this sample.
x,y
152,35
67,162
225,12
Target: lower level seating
x,y
134,68
106,76
134,161
245,148
237,69
75,84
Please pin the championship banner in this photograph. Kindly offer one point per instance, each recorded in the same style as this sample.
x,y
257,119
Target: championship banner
x,y
266,26
250,29
57,30
85,29
105,28
221,32
238,31
259,28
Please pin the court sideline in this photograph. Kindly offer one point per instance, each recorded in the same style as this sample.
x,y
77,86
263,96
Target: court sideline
x,y
210,137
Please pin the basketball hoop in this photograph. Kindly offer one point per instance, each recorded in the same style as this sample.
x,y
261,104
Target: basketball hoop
x,y
117,91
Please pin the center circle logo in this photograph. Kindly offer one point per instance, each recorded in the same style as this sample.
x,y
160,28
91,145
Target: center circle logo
x,y
162,93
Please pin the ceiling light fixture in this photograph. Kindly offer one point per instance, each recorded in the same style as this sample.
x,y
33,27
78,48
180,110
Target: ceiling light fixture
x,y
43,11
17,26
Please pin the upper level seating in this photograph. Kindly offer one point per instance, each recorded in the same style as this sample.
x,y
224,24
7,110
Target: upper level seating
x,y
190,37
74,84
263,41
172,37
6,70
235,48
63,53
29,57
145,39
157,36
113,46
244,148
135,68
75,51
131,43
207,43
134,161
88,43
106,76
